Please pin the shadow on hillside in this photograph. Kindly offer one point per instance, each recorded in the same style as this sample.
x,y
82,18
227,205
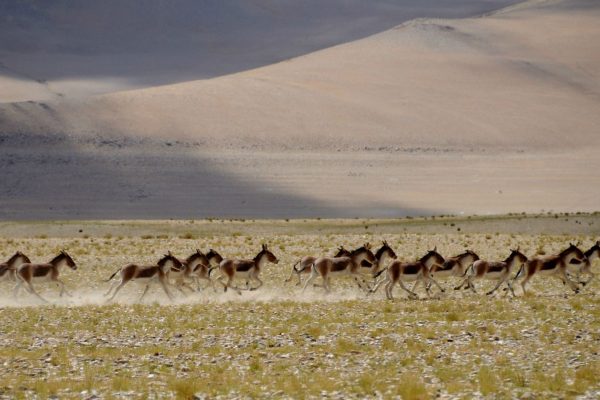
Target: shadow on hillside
x,y
146,43
58,177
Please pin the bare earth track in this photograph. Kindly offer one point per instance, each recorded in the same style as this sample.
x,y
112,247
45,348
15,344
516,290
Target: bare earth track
x,y
276,342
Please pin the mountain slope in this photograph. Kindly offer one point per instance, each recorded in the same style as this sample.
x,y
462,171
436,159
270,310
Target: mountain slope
x,y
90,47
521,78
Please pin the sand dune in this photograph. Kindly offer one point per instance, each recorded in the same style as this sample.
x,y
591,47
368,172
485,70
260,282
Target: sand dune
x,y
521,78
90,47
481,115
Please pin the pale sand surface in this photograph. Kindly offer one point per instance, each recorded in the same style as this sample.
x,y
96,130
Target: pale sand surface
x,y
90,47
524,77
482,115
104,179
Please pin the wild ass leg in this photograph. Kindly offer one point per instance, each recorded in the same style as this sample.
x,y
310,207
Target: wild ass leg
x,y
563,275
260,283
30,289
470,280
312,277
427,286
412,294
381,282
63,289
462,284
327,283
524,282
230,284
188,286
430,280
294,272
510,287
112,286
220,280
165,288
500,282
178,285
587,270
119,287
388,289
145,291
414,288
211,283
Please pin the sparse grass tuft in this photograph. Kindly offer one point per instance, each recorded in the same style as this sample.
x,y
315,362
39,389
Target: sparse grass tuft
x,y
411,387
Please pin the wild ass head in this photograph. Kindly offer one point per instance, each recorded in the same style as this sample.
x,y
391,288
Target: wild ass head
x,y
265,253
63,258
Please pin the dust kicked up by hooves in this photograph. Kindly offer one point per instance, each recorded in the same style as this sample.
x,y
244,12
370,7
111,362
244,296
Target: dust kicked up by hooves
x,y
95,297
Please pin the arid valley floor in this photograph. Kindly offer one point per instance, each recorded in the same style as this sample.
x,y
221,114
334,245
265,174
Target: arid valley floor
x,y
279,343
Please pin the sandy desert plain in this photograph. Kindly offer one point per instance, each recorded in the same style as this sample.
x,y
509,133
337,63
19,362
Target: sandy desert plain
x,y
277,342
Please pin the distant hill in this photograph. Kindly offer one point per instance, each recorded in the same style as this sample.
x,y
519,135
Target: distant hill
x,y
488,114
520,78
87,46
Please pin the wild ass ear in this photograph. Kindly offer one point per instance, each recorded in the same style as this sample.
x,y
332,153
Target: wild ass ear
x,y
435,248
264,246
367,246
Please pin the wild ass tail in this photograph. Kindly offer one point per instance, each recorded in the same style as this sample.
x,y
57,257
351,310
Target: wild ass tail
x,y
113,275
518,275
469,271
380,272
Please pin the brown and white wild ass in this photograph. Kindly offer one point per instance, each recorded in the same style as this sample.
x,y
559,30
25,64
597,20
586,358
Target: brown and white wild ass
x,y
553,265
248,269
454,266
499,271
203,271
28,273
191,269
326,267
418,271
306,262
591,254
145,274
382,256
214,259
8,269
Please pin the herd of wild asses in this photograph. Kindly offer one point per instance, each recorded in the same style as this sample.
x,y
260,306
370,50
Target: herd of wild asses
x,y
369,270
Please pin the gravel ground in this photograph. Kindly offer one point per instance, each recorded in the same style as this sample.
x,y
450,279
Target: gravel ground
x,y
279,343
